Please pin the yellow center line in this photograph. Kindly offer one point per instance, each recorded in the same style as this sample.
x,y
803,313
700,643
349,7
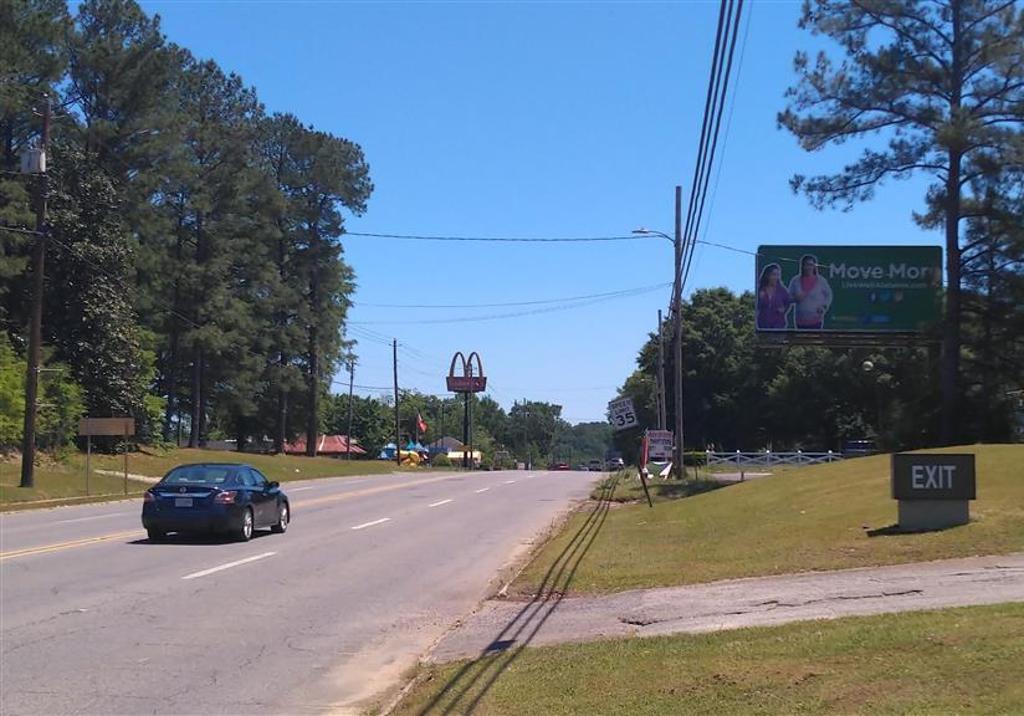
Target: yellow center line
x,y
68,545
326,499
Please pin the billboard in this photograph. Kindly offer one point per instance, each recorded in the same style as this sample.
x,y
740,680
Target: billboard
x,y
869,289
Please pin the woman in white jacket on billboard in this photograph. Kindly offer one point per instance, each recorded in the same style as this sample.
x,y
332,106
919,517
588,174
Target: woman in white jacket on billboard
x,y
812,295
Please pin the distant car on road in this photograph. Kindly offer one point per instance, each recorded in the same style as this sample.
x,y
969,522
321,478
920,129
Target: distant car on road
x,y
595,466
226,498
559,466
615,463
853,448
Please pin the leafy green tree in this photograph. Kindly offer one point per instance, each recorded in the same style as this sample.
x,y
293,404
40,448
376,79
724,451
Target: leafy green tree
x,y
12,395
533,428
33,59
89,318
372,421
943,83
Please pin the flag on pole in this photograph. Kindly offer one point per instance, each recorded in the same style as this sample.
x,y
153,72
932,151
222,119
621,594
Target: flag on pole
x,y
421,424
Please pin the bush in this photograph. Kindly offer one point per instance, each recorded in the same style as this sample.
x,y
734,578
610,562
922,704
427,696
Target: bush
x,y
693,457
441,461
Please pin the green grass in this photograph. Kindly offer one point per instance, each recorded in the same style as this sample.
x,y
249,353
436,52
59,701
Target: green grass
x,y
66,478
808,518
55,481
963,661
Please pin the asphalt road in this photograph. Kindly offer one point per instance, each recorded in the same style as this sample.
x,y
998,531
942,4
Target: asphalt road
x,y
96,620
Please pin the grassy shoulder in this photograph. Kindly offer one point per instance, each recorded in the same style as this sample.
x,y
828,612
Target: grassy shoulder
x,y
800,519
968,660
66,478
58,484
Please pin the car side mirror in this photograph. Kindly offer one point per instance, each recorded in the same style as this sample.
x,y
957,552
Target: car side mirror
x,y
273,485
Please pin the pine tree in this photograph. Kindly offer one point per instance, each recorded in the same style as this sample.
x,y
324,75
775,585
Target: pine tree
x,y
943,82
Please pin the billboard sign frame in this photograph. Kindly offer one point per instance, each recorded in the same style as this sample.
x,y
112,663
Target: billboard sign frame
x,y
882,294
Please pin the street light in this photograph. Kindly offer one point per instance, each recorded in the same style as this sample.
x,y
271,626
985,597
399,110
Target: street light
x,y
677,324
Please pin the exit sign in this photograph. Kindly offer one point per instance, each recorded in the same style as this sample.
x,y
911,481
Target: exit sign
x,y
932,477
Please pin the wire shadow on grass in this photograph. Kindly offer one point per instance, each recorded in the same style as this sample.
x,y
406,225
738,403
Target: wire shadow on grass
x,y
471,683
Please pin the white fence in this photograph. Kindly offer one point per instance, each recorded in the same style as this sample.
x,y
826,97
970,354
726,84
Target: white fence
x,y
744,459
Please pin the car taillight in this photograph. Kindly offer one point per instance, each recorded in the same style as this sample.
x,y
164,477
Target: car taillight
x,y
149,497
226,498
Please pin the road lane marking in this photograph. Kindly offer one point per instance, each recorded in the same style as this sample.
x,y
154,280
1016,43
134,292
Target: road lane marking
x,y
438,504
371,524
300,489
89,519
68,545
326,499
483,489
229,565
509,482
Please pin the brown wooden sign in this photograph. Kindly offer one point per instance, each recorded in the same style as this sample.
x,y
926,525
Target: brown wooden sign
x,y
120,427
934,476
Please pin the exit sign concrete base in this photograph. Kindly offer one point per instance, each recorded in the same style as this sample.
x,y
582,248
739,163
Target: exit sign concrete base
x,y
921,515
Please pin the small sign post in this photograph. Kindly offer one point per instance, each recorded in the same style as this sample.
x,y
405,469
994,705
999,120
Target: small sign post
x,y
123,427
660,445
933,489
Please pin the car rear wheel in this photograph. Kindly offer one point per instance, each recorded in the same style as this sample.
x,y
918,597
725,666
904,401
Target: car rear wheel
x,y
282,519
156,535
245,531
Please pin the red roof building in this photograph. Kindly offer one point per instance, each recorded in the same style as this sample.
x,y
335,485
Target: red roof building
x,y
329,445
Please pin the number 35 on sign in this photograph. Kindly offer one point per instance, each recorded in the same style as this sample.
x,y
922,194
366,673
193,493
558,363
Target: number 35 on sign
x,y
621,414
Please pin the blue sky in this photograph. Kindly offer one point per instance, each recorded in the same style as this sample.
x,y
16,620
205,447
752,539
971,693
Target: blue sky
x,y
536,119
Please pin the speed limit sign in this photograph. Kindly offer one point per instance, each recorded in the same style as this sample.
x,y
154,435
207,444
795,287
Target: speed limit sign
x,y
621,414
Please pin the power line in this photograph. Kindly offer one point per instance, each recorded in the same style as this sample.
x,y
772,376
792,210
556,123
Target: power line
x,y
714,107
501,239
607,294
16,230
514,314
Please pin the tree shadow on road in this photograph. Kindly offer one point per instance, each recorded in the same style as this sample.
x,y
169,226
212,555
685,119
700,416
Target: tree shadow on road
x,y
464,691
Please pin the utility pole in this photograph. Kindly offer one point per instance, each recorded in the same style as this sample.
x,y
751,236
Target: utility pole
x,y
35,334
348,436
398,438
677,336
465,430
661,374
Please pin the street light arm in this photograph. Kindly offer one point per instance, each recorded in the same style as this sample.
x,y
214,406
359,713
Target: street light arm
x,y
652,232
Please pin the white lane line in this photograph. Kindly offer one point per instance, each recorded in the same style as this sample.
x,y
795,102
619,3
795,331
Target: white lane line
x,y
438,504
483,489
300,489
87,519
371,524
509,482
229,565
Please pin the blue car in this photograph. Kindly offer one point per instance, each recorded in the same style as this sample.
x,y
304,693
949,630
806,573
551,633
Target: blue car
x,y
225,498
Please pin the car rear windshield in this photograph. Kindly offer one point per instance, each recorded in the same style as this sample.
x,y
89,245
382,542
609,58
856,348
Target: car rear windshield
x,y
201,475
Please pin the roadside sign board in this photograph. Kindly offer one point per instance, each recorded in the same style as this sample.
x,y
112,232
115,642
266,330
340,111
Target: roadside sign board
x,y
659,445
933,476
106,426
467,383
621,414
867,289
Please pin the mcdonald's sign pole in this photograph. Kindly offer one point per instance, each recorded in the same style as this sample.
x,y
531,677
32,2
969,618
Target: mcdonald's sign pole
x,y
467,383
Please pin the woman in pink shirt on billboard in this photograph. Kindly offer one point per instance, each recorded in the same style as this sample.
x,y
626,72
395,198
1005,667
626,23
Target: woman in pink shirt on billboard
x,y
812,295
